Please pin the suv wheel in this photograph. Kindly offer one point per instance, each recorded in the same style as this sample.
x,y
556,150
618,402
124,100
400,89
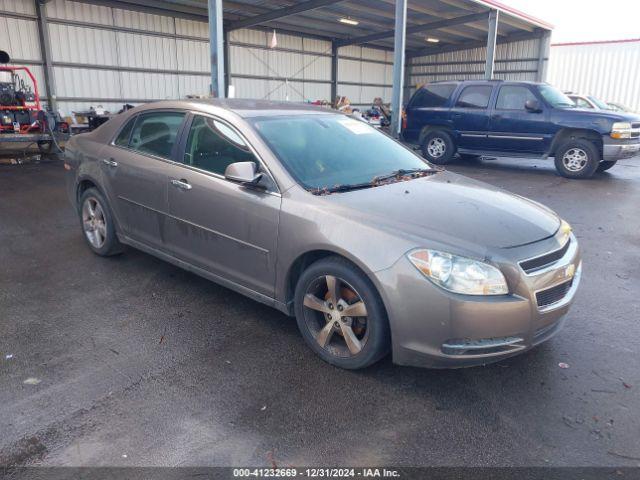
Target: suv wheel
x,y
606,165
438,147
340,314
577,159
97,224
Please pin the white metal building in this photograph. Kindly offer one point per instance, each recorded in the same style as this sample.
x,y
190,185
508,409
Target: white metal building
x,y
606,70
108,52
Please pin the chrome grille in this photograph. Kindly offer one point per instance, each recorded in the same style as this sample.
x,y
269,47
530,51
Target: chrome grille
x,y
554,294
635,130
538,263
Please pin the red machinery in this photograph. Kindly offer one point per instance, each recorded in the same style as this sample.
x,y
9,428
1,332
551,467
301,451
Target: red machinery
x,y
21,116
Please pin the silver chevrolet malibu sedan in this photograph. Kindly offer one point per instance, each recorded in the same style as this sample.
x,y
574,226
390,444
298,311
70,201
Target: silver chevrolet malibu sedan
x,y
325,218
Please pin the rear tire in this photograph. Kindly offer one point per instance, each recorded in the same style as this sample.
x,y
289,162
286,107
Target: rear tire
x,y
96,221
577,158
606,165
326,292
438,147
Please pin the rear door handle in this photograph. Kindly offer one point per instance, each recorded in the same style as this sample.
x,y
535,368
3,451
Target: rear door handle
x,y
182,184
110,162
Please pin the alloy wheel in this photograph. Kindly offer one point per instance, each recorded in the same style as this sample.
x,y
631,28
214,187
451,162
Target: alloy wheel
x,y
575,159
336,316
436,147
94,223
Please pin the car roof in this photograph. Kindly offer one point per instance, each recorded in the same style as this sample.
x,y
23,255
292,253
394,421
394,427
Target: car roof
x,y
482,82
245,108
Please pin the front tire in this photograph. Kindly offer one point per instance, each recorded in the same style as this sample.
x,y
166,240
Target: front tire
x,y
438,147
577,158
340,314
606,165
97,224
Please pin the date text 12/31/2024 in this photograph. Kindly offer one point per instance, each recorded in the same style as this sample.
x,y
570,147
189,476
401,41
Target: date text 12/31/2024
x,y
315,473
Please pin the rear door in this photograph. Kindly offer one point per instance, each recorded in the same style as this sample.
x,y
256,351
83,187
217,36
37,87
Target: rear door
x,y
218,225
428,106
137,165
516,129
470,116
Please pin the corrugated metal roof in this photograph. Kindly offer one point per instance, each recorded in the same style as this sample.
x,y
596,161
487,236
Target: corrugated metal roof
x,y
373,16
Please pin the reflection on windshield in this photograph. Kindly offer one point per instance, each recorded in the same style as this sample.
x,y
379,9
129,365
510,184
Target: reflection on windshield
x,y
600,104
331,152
555,97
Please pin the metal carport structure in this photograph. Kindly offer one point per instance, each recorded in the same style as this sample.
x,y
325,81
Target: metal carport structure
x,y
439,40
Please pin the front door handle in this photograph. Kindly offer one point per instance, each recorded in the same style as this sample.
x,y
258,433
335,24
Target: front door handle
x,y
182,184
110,162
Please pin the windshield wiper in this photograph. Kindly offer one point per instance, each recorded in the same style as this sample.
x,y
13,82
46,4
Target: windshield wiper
x,y
375,181
342,188
404,172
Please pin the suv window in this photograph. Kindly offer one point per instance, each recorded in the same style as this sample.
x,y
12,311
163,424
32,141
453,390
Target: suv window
x,y
431,96
155,133
582,103
475,96
213,146
122,140
513,97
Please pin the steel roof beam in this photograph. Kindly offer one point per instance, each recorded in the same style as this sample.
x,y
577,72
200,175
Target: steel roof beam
x,y
456,47
280,13
414,29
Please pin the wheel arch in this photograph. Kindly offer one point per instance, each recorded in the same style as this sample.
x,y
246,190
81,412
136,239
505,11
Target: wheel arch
x,y
309,257
427,129
576,133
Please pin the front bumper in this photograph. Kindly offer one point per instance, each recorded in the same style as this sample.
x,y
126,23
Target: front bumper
x,y
618,149
431,327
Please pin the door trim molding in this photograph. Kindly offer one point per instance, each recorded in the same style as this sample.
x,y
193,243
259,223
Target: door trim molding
x,y
214,232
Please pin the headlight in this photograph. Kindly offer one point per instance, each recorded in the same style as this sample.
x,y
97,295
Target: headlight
x,y
621,130
459,274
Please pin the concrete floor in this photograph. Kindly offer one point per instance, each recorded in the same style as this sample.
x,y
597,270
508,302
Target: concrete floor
x,y
141,363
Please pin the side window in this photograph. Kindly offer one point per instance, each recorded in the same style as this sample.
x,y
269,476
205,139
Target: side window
x,y
433,96
513,97
213,146
475,96
582,103
155,133
122,140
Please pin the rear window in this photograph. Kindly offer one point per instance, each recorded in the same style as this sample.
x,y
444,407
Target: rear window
x,y
435,95
475,96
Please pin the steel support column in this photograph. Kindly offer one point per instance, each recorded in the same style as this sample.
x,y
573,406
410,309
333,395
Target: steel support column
x,y
45,48
492,37
543,56
216,45
227,67
398,66
334,71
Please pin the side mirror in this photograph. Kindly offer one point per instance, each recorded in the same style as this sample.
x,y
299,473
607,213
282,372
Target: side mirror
x,y
532,106
243,172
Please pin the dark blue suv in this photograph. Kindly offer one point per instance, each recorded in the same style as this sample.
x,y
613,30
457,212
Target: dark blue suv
x,y
517,119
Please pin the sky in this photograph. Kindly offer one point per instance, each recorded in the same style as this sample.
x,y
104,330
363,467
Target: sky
x,y
585,20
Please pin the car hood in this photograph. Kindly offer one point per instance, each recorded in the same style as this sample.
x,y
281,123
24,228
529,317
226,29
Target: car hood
x,y
607,115
452,209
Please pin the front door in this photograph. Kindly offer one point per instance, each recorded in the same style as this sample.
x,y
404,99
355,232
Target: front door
x,y
136,169
470,116
218,225
516,129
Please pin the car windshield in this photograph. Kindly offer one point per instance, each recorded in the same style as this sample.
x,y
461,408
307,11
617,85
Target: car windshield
x,y
599,103
555,97
330,151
